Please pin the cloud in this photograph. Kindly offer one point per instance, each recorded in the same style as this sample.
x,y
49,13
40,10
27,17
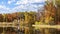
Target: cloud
x,y
19,8
26,7
11,1
36,1
4,9
29,5
21,2
29,1
22,5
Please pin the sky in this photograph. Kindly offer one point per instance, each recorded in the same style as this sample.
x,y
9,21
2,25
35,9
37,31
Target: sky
x,y
10,6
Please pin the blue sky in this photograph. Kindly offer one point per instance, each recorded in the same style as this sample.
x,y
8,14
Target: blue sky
x,y
10,6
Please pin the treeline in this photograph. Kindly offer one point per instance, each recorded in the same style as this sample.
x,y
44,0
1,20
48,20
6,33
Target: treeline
x,y
18,15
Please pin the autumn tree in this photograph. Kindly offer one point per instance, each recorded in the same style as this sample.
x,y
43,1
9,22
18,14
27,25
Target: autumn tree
x,y
1,18
58,11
